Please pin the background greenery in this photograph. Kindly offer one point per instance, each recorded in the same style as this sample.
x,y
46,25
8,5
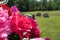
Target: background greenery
x,y
34,5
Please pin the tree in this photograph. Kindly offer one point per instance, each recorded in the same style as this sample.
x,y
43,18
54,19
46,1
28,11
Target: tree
x,y
10,3
50,5
23,5
33,5
43,4
58,4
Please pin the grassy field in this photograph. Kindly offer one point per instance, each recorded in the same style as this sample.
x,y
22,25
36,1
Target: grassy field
x,y
49,27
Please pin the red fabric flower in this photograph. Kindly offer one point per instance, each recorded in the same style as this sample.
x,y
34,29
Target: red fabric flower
x,y
7,8
1,39
35,32
24,26
47,39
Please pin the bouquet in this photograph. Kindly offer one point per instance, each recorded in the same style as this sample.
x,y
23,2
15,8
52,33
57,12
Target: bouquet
x,y
14,25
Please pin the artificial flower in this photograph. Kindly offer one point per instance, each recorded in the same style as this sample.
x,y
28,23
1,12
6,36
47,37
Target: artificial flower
x,y
4,24
6,8
23,26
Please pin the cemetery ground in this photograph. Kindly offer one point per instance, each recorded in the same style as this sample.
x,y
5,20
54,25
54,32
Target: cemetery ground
x,y
49,27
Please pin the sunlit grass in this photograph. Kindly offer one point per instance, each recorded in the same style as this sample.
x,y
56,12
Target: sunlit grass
x,y
49,27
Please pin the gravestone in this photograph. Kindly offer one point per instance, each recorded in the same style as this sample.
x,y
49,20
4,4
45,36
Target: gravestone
x,y
22,13
45,15
33,16
38,14
30,16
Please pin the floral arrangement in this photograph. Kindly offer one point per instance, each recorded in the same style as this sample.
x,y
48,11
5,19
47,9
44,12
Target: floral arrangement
x,y
4,24
13,24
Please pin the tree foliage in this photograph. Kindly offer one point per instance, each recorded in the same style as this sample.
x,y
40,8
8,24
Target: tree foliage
x,y
34,5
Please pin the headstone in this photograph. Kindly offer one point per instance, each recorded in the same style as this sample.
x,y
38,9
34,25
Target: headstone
x,y
33,16
46,15
22,13
38,14
30,16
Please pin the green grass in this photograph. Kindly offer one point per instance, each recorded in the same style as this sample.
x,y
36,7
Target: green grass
x,y
49,27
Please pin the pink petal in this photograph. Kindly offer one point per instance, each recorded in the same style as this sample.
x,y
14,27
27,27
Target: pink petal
x,y
38,39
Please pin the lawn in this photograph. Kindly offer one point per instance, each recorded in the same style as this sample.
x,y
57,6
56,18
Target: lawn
x,y
49,27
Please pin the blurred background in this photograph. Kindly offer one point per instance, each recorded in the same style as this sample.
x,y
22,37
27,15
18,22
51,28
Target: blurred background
x,y
47,15
35,5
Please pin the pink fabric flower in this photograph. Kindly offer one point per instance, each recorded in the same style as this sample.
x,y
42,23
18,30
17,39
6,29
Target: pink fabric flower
x,y
4,24
38,39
